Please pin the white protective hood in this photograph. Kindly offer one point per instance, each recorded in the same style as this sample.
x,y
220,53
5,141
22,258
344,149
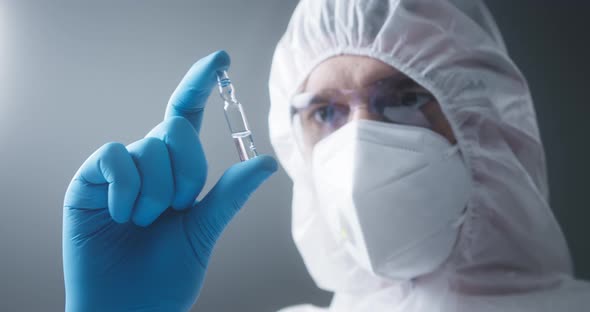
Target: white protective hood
x,y
511,254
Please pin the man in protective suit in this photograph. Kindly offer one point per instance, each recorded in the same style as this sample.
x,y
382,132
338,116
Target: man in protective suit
x,y
418,170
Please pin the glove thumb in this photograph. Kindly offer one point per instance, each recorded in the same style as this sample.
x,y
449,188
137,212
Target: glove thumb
x,y
207,220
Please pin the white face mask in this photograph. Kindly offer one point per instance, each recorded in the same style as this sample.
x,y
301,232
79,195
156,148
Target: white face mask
x,y
393,195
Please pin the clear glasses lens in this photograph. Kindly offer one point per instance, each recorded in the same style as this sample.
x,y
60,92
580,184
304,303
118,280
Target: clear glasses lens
x,y
318,115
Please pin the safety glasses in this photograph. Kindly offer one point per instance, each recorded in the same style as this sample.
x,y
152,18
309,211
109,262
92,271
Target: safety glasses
x,y
395,100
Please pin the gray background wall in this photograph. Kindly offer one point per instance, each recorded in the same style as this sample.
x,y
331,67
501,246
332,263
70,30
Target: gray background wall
x,y
76,74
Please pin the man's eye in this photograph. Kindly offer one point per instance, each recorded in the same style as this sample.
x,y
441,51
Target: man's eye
x,y
324,114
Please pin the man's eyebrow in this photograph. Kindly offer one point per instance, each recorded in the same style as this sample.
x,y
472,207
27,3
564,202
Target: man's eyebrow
x,y
304,101
398,81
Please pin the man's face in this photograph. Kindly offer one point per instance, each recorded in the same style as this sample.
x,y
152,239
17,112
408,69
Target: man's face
x,y
346,88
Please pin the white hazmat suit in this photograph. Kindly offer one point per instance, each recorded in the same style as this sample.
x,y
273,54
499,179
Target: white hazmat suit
x,y
510,254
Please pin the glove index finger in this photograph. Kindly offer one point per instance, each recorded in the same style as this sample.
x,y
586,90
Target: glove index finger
x,y
190,96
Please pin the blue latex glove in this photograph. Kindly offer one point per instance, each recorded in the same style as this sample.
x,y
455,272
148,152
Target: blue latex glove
x,y
134,239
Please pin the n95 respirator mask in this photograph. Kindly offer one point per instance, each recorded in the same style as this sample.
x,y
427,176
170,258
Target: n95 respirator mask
x,y
393,195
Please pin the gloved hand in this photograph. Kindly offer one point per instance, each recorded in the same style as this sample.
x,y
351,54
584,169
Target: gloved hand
x,y
134,239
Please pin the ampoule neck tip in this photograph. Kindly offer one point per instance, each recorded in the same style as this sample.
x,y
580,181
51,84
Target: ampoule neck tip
x,y
222,74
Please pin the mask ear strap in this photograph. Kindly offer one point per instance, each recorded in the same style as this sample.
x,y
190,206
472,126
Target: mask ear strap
x,y
423,99
454,149
459,221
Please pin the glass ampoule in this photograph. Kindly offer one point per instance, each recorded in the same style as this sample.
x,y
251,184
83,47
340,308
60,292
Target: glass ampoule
x,y
236,119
